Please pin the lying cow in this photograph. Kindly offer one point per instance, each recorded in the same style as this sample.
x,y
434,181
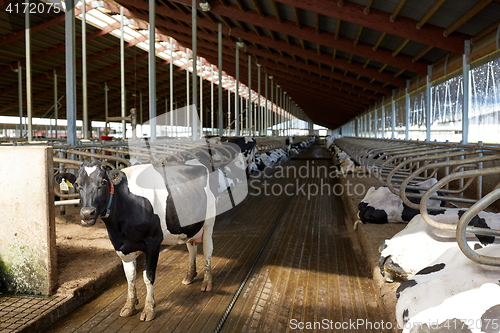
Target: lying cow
x,y
475,310
418,244
449,275
381,206
137,206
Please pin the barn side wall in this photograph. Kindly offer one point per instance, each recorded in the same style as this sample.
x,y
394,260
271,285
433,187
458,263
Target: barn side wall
x,y
27,237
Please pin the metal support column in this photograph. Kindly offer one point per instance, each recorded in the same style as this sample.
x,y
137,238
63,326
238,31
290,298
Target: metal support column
x,y
266,111
140,110
201,98
407,112
428,110
249,110
152,70
122,74
237,94
467,90
172,88
260,119
29,103
271,115
70,71
375,120
228,105
212,101
56,102
194,13
393,117
84,71
106,89
370,125
20,91
383,117
220,80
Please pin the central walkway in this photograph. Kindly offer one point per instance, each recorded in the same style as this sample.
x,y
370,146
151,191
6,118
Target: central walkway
x,y
308,271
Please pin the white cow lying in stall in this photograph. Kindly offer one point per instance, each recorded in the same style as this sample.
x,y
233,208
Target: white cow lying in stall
x,y
381,206
418,244
453,287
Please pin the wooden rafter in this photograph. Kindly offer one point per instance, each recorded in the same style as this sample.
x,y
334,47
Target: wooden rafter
x,y
258,7
400,47
276,11
337,29
368,5
422,53
466,17
398,9
429,13
296,14
316,23
356,40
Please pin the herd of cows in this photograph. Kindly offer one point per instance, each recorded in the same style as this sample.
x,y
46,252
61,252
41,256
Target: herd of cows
x,y
440,289
139,209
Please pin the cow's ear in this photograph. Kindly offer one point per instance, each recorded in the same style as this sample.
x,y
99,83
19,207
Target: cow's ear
x,y
116,176
66,175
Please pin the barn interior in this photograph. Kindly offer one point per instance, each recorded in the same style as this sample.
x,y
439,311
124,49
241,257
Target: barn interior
x,y
407,80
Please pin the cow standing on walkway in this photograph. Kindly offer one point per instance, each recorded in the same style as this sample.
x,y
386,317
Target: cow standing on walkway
x,y
137,207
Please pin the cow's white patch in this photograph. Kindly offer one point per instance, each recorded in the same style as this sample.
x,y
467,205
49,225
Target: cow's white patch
x,y
89,170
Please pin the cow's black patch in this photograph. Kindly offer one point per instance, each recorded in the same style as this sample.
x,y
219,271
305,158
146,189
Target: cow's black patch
x,y
481,223
404,285
437,212
477,246
406,315
381,261
431,269
368,214
409,213
490,316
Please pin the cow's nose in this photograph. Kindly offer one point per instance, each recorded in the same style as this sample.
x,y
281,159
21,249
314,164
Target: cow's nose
x,y
88,213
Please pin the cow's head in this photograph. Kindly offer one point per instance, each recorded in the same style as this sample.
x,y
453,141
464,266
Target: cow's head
x,y
95,183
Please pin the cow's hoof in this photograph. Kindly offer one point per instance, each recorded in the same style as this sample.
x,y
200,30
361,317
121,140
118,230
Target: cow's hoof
x,y
189,278
148,313
128,309
206,286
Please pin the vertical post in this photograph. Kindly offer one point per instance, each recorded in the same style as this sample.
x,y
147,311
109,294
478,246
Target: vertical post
x,y
249,110
369,125
201,97
140,110
220,80
70,71
228,105
393,117
375,120
187,91
194,13
212,101
271,116
266,111
237,94
122,74
383,117
172,87
276,117
20,90
106,102
29,104
407,108
56,102
84,70
259,107
467,88
428,110
152,70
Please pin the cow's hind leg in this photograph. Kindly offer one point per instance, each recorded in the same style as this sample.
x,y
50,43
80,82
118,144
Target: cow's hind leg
x,y
208,248
129,265
191,274
152,253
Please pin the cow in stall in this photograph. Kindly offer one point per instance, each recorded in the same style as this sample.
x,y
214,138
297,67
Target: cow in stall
x,y
418,244
137,207
381,206
452,290
247,146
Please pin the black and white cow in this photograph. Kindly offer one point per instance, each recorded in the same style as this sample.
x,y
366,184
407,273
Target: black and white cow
x,y
455,288
381,206
137,207
247,146
418,244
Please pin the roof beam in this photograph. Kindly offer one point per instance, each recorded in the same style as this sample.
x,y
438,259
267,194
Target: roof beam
x,y
380,20
294,49
288,27
429,13
398,9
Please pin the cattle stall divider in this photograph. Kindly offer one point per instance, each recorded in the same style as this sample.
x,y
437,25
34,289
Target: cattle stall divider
x,y
400,164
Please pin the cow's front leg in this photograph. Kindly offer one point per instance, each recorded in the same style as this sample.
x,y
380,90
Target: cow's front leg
x,y
129,265
152,254
191,274
208,248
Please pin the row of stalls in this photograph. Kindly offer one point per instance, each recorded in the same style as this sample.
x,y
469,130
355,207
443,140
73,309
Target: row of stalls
x,y
442,264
